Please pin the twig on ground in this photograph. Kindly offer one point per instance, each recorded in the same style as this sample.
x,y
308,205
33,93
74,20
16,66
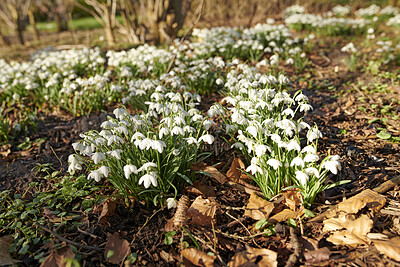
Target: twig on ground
x,y
144,225
247,230
211,248
237,236
294,258
386,186
67,240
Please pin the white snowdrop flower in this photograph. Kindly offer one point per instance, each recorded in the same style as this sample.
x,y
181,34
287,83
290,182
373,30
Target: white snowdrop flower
x,y
282,79
297,161
238,145
104,170
290,61
167,121
302,177
100,141
16,97
301,97
333,164
114,139
207,124
158,145
122,129
116,153
219,81
313,134
305,107
311,157
148,179
137,136
78,146
74,163
191,140
96,175
189,129
252,130
261,149
207,138
107,125
163,132
197,117
144,144
276,138
230,128
274,59
302,125
254,167
147,166
98,157
349,48
312,171
129,169
176,152
179,120
288,112
274,163
293,145
171,203
309,149
120,113
177,131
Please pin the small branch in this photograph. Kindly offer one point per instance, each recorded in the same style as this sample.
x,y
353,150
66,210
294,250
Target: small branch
x,y
67,240
386,186
211,248
295,257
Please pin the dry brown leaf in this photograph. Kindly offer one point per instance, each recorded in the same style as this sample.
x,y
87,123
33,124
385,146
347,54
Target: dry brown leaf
x,y
367,198
292,198
120,249
285,215
166,257
352,232
234,171
108,210
199,187
202,211
57,259
211,171
5,257
254,257
198,258
318,255
258,208
390,248
5,153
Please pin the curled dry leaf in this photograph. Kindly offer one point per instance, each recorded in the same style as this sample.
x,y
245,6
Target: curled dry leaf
x,y
202,211
234,173
390,248
120,249
210,171
254,257
200,188
58,258
258,208
317,255
285,215
348,230
367,198
292,198
5,257
198,258
108,210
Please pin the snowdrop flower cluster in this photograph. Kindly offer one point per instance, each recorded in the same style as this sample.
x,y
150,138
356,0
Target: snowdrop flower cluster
x,y
388,52
368,12
295,9
247,43
349,48
326,25
146,156
265,123
341,11
394,21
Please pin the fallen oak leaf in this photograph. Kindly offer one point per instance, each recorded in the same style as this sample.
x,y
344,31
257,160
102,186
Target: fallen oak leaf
x,y
254,257
202,211
108,210
390,248
258,207
234,173
348,230
116,249
198,258
199,188
5,256
212,172
285,215
318,255
57,258
367,198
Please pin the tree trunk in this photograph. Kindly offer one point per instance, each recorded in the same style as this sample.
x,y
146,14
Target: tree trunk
x,y
109,29
3,40
33,25
61,22
20,29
